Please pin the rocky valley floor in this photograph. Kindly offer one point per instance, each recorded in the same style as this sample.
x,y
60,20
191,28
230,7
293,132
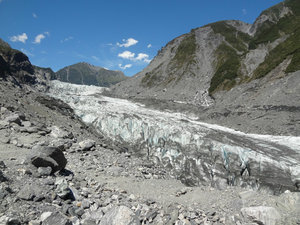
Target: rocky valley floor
x,y
102,183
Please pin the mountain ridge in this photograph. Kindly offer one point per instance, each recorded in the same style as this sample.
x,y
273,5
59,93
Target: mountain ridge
x,y
236,40
230,69
85,73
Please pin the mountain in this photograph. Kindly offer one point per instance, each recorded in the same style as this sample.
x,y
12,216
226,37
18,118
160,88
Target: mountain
x,y
14,65
84,73
16,68
236,71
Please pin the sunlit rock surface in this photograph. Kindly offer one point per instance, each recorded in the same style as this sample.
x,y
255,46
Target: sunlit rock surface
x,y
197,153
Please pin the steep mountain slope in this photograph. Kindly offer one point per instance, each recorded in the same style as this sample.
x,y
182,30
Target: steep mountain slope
x,y
84,73
232,69
16,68
15,62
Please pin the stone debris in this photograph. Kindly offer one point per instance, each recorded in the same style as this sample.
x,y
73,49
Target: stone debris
x,y
55,170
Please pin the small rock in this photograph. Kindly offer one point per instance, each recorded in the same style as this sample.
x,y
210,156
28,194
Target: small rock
x,y
13,118
44,171
26,124
13,221
120,215
62,144
57,219
34,222
29,191
262,214
2,177
93,216
79,212
63,190
87,144
85,204
57,132
2,165
45,215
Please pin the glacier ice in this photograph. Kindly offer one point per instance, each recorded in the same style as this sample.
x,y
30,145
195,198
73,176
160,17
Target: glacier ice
x,y
196,152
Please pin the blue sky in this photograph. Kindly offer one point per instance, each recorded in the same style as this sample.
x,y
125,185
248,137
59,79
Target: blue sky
x,y
115,34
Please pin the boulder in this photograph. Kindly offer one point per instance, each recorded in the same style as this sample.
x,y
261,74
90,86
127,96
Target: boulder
x,y
57,132
44,156
2,165
62,144
13,118
63,190
2,177
87,144
92,216
57,219
30,191
261,214
120,215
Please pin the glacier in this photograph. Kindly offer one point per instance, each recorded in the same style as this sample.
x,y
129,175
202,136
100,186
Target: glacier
x,y
197,153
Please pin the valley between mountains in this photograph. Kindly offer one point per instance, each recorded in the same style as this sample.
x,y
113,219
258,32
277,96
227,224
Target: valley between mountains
x,y
207,134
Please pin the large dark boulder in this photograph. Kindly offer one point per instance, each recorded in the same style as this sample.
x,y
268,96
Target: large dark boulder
x,y
44,156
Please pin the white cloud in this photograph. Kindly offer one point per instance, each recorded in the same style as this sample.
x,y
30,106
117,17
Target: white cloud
x,y
95,58
34,15
244,11
26,52
127,43
127,55
67,39
142,56
39,38
21,38
125,66
131,56
149,46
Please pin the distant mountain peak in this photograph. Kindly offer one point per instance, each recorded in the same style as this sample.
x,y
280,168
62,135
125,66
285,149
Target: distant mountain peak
x,y
88,74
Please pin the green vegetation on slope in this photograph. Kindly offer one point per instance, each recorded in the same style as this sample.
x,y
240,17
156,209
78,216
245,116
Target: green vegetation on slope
x,y
151,78
270,31
228,60
186,50
236,45
228,64
235,38
84,73
290,25
290,47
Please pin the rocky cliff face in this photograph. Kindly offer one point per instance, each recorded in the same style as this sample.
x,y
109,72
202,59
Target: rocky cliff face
x,y
229,69
15,67
14,62
84,73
